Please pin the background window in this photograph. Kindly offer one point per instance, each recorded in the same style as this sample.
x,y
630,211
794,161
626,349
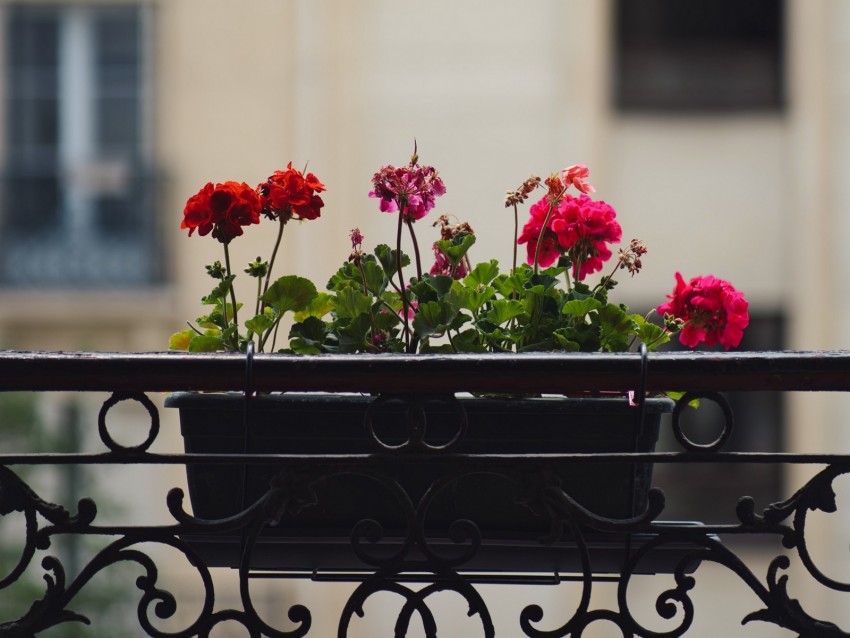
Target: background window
x,y
722,55
78,194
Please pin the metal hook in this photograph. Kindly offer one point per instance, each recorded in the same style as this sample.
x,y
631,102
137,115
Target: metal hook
x,y
641,391
246,435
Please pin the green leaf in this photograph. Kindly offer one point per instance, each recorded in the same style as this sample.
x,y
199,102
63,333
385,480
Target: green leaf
x,y
482,274
318,308
387,258
565,343
354,336
651,334
616,328
581,307
385,320
180,340
350,274
290,292
350,302
676,396
308,336
503,310
468,341
456,248
220,292
206,343
433,318
261,323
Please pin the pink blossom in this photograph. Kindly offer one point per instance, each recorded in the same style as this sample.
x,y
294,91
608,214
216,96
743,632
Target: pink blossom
x,y
578,227
533,233
443,266
576,175
412,189
711,309
411,310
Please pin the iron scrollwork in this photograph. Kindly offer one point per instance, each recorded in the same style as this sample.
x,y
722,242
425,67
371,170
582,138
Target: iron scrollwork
x,y
409,564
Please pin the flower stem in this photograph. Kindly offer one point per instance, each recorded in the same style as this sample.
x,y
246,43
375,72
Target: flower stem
x,y
604,282
371,310
553,201
415,248
282,221
232,297
516,236
402,292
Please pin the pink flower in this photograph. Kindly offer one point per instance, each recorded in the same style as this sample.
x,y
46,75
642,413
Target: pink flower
x,y
578,227
411,310
711,309
584,228
412,189
442,265
533,233
576,175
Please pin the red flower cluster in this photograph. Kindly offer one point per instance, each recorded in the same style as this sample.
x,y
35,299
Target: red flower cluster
x,y
412,189
711,309
290,194
578,227
222,209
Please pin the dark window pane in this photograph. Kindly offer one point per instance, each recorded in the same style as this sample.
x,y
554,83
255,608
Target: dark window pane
x,y
722,55
31,204
36,127
118,120
33,36
117,50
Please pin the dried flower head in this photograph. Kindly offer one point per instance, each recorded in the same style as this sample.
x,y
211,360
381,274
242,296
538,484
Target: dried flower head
x,y
356,245
514,198
630,258
449,230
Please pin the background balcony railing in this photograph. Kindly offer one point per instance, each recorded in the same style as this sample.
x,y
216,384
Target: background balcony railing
x,y
686,546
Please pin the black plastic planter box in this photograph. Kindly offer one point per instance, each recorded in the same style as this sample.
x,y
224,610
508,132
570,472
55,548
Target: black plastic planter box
x,y
319,425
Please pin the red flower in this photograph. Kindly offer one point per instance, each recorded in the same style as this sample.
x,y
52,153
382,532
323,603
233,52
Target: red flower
x,y
222,209
579,227
711,309
290,194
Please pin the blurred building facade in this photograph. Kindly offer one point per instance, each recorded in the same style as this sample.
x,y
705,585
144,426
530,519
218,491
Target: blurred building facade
x,y
720,133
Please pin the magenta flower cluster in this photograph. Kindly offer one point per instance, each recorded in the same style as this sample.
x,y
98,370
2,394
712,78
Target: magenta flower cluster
x,y
411,189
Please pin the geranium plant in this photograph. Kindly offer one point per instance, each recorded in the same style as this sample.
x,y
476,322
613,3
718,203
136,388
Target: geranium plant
x,y
386,301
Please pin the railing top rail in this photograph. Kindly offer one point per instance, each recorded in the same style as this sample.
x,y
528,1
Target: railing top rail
x,y
426,374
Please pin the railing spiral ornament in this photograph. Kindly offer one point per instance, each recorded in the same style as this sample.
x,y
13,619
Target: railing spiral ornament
x,y
415,422
103,429
726,427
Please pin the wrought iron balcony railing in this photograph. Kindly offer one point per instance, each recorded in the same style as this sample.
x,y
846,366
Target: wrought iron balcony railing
x,y
588,548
